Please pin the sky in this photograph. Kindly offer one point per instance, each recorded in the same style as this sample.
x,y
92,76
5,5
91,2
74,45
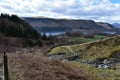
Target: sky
x,y
98,10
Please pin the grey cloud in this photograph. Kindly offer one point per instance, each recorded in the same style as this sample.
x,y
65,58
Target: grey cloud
x,y
75,9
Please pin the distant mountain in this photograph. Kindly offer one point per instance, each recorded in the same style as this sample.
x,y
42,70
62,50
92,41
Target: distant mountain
x,y
49,24
117,25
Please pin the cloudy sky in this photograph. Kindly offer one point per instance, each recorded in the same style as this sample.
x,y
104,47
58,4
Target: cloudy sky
x,y
98,10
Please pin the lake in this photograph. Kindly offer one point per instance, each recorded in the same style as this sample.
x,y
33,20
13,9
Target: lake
x,y
108,32
53,33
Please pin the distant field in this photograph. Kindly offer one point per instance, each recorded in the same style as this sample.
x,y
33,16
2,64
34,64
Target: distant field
x,y
96,37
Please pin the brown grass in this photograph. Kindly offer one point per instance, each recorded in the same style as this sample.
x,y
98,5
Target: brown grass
x,y
29,67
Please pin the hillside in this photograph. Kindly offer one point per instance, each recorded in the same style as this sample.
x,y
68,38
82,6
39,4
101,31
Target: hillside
x,y
36,67
49,24
105,25
16,33
117,25
103,48
13,26
100,58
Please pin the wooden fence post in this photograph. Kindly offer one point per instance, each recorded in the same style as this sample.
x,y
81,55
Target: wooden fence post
x,y
5,66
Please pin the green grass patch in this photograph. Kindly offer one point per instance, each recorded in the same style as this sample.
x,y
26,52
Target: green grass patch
x,y
96,37
74,39
60,49
100,74
99,37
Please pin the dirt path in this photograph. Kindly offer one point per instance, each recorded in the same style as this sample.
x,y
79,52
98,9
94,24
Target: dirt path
x,y
70,49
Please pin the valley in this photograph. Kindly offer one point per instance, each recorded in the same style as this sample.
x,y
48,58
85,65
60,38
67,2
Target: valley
x,y
59,39
59,49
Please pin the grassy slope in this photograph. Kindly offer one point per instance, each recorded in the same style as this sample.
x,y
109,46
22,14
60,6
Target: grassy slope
x,y
92,50
98,49
61,49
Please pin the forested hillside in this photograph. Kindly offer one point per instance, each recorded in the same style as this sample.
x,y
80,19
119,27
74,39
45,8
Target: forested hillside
x,y
15,27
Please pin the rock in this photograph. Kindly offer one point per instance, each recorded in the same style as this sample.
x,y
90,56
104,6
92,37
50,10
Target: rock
x,y
103,66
